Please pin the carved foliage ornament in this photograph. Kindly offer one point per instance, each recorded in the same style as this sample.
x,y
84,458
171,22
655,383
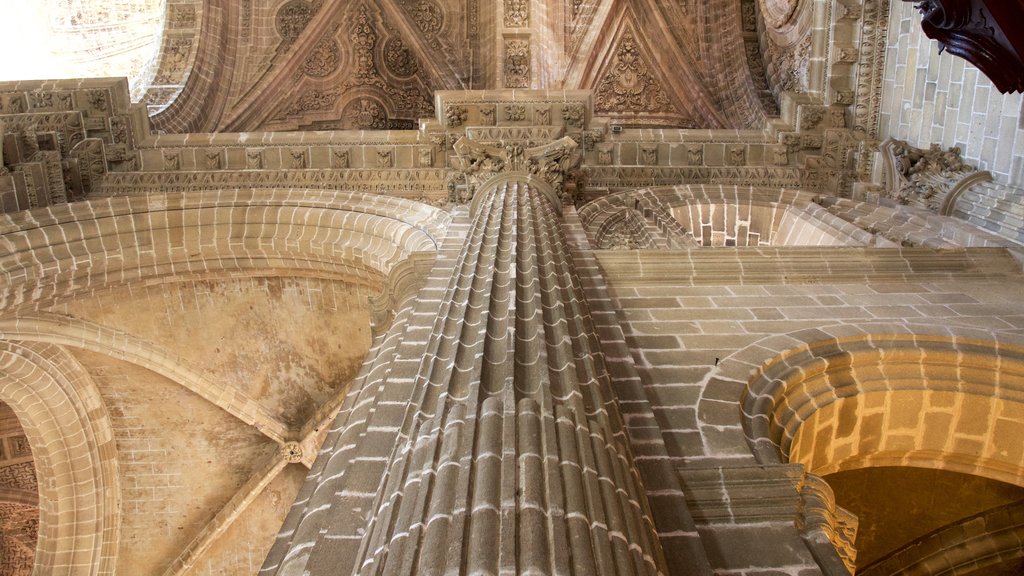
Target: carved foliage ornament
x,y
554,162
365,114
399,59
517,64
429,17
926,178
292,19
323,59
517,13
629,86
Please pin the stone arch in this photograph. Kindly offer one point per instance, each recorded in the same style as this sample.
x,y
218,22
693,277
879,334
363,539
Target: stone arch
x,y
685,216
75,455
73,248
984,540
838,399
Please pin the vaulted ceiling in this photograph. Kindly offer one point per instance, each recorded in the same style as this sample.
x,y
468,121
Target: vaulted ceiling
x,y
375,64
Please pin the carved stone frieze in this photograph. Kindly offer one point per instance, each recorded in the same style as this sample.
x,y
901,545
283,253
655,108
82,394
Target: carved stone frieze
x,y
695,154
574,115
397,182
253,159
339,158
488,115
515,112
455,115
297,159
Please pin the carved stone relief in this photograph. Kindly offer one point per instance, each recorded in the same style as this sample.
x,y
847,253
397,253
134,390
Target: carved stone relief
x,y
172,160
517,63
213,160
323,60
542,115
649,155
365,114
398,59
253,159
517,13
931,178
292,19
339,158
487,115
629,86
695,155
515,112
425,156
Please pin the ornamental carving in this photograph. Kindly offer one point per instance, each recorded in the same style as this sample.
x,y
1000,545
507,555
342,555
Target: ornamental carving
x,y
323,59
574,115
517,13
517,64
292,19
403,100
339,158
455,115
554,162
365,114
542,115
313,101
695,155
429,17
487,115
297,159
172,160
931,179
629,86
398,59
253,159
515,112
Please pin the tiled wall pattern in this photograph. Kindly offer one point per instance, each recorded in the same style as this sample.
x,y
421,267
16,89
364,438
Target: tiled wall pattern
x,y
928,97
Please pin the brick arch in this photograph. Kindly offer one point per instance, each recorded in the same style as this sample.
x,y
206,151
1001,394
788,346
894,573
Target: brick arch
x,y
948,398
73,446
68,249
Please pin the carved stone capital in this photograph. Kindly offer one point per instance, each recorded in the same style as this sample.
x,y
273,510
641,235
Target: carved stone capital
x,y
931,179
554,163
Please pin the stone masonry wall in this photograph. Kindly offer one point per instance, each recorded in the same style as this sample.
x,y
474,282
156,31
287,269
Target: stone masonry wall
x,y
928,97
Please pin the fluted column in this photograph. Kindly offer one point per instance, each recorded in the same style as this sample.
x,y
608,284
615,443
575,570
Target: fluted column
x,y
515,460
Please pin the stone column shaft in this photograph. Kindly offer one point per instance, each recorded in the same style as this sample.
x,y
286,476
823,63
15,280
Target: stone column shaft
x,y
514,460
